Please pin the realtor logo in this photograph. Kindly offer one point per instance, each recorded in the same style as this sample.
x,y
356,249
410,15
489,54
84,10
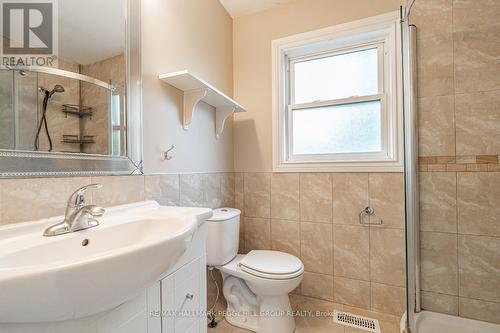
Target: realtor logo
x,y
29,32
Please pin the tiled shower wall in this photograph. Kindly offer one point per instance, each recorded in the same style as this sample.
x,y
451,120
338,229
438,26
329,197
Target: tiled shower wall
x,y
107,70
458,47
315,217
34,198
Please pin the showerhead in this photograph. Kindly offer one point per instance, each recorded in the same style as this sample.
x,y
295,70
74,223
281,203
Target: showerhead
x,y
57,89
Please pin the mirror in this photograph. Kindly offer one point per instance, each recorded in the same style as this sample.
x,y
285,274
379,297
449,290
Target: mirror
x,y
82,108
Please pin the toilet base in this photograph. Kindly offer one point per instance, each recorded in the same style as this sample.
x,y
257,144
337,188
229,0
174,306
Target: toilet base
x,y
272,321
247,323
258,314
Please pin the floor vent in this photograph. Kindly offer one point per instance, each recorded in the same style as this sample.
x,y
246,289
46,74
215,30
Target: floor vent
x,y
363,323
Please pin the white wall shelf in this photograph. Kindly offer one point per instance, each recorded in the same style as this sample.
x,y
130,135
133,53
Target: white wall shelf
x,y
196,90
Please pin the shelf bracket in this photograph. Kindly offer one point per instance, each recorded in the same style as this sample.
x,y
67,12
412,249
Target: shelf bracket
x,y
191,99
221,114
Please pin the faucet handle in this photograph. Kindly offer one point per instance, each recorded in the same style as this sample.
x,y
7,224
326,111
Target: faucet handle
x,y
77,199
95,210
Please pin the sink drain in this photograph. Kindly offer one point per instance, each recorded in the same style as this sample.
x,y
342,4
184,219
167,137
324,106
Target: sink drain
x,y
85,242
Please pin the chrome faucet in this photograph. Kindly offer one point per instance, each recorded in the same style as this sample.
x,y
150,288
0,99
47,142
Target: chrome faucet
x,y
78,216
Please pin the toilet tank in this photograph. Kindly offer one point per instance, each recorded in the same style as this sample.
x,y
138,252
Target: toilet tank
x,y
223,235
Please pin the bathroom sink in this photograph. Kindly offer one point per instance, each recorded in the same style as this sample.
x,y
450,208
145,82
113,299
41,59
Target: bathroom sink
x,y
44,279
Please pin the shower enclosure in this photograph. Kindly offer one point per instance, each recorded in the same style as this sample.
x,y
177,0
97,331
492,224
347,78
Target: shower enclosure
x,y
452,178
54,110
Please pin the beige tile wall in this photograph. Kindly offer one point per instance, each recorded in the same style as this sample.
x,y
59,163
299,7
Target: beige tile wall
x,y
35,198
315,216
29,199
458,76
107,70
58,123
458,45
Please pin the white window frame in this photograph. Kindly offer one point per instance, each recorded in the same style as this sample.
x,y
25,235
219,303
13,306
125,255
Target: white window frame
x,y
381,32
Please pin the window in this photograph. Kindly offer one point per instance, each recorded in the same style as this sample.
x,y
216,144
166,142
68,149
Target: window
x,y
336,98
117,130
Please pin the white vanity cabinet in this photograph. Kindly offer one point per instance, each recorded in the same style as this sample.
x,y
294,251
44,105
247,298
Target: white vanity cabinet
x,y
183,300
178,302
175,304
184,292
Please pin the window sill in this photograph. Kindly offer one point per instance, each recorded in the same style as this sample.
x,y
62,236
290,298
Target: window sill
x,y
338,167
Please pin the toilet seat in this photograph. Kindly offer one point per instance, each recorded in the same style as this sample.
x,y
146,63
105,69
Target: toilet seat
x,y
272,265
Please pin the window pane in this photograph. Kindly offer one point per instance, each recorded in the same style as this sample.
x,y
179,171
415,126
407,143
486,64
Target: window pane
x,y
115,145
340,76
115,110
352,128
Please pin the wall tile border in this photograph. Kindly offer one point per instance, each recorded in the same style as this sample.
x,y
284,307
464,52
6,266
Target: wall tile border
x,y
460,163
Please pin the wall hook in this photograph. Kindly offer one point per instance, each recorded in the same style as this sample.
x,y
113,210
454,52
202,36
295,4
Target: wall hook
x,y
165,154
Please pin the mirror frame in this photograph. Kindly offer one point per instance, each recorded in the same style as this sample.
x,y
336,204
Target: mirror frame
x,y
17,163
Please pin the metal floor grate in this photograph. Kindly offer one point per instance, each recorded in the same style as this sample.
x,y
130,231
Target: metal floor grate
x,y
363,323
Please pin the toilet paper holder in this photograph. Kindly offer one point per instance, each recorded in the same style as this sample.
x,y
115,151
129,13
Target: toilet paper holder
x,y
368,211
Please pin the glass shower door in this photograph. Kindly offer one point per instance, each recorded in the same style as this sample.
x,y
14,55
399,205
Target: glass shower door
x,y
7,138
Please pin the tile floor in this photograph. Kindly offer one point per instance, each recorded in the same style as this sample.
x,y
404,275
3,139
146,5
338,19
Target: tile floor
x,y
310,324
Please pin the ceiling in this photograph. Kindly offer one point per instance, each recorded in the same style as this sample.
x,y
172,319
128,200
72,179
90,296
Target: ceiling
x,y
91,30
237,8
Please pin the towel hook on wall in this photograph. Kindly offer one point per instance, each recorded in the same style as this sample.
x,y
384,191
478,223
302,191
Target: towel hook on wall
x,y
165,154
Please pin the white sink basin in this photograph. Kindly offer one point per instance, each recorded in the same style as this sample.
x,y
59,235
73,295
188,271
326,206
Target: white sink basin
x,y
44,279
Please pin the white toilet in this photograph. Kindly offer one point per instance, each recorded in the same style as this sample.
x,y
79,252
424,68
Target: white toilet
x,y
256,285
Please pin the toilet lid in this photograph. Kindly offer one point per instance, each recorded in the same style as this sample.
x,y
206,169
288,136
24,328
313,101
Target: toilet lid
x,y
272,264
